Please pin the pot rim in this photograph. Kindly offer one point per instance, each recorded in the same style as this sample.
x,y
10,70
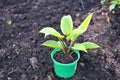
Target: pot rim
x,y
57,49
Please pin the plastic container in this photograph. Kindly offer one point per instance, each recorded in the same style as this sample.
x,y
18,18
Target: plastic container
x,y
64,70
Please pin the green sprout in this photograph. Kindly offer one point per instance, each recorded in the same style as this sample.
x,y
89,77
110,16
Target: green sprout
x,y
9,22
67,41
111,3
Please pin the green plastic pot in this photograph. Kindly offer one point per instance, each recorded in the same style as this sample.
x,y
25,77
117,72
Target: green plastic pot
x,y
64,70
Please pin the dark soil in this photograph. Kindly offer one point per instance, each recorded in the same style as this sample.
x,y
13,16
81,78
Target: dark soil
x,y
23,58
63,58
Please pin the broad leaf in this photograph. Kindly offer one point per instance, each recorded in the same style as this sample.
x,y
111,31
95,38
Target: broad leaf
x,y
79,46
83,27
51,31
90,45
66,25
111,7
73,36
52,44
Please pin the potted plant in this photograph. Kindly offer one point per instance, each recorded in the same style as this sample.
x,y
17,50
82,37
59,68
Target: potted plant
x,y
66,53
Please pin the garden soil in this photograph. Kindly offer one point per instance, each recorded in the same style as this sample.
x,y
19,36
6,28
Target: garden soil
x,y
23,58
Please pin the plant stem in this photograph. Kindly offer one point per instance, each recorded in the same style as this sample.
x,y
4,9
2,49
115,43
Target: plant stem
x,y
71,57
71,44
71,53
63,45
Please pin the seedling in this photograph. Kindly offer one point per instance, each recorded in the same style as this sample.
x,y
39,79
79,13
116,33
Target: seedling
x,y
9,22
67,41
112,3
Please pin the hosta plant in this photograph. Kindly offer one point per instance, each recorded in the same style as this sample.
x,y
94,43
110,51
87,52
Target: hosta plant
x,y
67,40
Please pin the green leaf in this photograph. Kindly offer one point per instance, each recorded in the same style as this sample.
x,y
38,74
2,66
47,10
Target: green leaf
x,y
73,36
83,27
9,22
66,25
90,45
52,44
79,46
111,7
51,31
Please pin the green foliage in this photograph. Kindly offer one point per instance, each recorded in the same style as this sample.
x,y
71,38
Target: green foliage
x,y
81,29
66,25
111,7
9,22
51,31
112,3
52,44
90,45
71,35
79,46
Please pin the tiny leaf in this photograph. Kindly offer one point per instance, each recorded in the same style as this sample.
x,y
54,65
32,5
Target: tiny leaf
x,y
52,44
9,22
51,31
66,25
79,46
90,45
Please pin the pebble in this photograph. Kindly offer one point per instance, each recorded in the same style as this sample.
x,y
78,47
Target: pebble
x,y
82,64
34,62
77,22
1,73
49,77
9,78
24,77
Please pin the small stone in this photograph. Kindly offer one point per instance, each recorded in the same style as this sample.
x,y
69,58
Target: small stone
x,y
78,14
49,77
106,67
23,77
13,45
85,78
115,50
77,22
9,57
102,57
19,34
36,77
9,78
12,35
34,62
1,73
113,12
82,64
